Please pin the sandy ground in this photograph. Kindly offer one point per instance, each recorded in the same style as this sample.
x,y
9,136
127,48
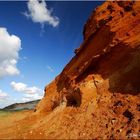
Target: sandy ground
x,y
10,123
8,118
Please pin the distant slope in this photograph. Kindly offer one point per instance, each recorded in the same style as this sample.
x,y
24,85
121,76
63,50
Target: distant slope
x,y
21,106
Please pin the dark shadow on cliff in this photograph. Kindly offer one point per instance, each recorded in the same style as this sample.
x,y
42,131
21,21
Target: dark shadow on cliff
x,y
119,64
127,79
87,54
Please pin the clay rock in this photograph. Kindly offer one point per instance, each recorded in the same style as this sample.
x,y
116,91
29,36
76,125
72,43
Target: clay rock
x,y
105,72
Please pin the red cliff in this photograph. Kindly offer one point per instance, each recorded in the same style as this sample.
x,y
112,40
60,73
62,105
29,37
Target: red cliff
x,y
99,89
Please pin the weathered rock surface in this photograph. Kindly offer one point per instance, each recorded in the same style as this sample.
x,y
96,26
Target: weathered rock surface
x,y
101,83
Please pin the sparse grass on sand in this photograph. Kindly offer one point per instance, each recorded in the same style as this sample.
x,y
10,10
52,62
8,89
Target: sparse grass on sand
x,y
4,113
7,118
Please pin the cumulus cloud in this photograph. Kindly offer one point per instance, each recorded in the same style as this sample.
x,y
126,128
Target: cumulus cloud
x,y
30,97
50,68
9,49
38,12
26,99
3,95
30,93
21,87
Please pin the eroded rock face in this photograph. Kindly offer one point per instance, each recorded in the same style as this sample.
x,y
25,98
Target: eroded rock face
x,y
102,81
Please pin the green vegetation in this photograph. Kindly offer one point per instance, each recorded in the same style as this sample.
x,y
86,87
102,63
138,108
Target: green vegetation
x,y
4,113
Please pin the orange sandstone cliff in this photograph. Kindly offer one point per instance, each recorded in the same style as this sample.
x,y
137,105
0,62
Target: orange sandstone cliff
x,y
97,95
99,89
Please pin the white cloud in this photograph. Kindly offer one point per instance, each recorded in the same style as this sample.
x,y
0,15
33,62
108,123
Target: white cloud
x,y
39,12
26,99
9,49
31,97
21,87
30,93
3,95
50,68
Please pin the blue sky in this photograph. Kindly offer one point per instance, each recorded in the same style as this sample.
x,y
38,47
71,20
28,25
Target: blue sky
x,y
47,43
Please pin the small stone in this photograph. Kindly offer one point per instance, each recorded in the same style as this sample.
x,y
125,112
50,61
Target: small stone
x,y
84,134
120,129
113,120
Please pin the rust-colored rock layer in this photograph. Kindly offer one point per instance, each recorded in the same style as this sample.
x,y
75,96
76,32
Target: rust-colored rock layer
x,y
99,89
98,92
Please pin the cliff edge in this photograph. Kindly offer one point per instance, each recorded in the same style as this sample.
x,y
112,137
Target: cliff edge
x,y
99,89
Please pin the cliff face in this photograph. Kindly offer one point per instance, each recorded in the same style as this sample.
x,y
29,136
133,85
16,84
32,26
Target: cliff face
x,y
99,89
